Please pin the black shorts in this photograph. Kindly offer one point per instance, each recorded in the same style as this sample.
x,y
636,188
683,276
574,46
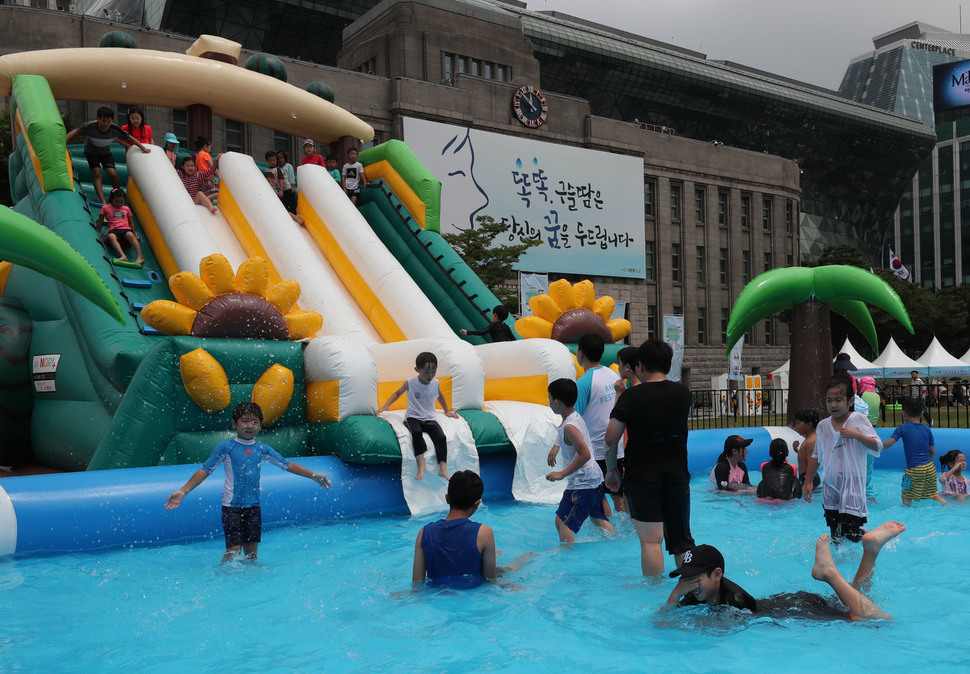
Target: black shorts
x,y
619,466
97,160
667,500
844,525
120,233
354,192
241,525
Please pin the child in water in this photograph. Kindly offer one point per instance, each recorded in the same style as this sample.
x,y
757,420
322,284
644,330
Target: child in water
x,y
953,483
779,479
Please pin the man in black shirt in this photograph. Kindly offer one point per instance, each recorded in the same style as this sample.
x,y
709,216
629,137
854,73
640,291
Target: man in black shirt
x,y
702,581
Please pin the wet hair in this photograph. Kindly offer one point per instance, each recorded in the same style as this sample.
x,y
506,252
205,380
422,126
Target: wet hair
x,y
912,407
201,142
629,356
247,407
105,111
501,312
565,391
950,458
842,381
117,192
135,110
270,153
656,356
465,489
285,156
190,158
778,451
592,347
808,416
424,358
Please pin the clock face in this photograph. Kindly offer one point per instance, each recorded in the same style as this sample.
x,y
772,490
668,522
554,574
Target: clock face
x,y
530,106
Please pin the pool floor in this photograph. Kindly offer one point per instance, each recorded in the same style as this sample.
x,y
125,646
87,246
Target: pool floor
x,y
337,598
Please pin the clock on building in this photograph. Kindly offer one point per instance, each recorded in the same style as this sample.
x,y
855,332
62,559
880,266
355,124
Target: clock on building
x,y
530,106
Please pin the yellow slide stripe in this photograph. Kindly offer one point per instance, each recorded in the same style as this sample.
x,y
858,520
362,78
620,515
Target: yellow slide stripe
x,y
147,221
5,268
386,388
529,389
399,186
347,272
240,227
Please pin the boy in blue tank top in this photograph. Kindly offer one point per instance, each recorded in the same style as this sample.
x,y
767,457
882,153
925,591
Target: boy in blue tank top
x,y
456,552
242,519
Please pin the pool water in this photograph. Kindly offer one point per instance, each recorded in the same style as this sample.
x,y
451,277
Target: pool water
x,y
337,598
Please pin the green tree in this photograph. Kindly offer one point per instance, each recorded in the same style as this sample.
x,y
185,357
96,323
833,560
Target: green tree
x,y
486,249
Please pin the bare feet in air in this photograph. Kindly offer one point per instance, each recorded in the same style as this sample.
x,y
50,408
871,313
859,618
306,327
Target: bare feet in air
x,y
443,471
421,465
824,564
878,537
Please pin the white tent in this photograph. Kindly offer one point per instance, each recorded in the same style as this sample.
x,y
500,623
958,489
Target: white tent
x,y
893,363
937,362
784,368
857,360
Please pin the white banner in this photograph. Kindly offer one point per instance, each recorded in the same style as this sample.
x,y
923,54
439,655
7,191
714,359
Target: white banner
x,y
531,285
584,206
734,368
674,335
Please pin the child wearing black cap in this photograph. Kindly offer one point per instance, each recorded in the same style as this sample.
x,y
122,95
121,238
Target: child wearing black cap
x,y
702,581
730,473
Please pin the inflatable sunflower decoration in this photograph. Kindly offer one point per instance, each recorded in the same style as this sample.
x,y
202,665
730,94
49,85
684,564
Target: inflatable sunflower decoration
x,y
220,303
568,312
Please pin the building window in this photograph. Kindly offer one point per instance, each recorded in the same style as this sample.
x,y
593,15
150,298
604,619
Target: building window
x,y
650,251
766,214
745,211
675,262
700,199
456,64
281,141
651,321
769,334
675,203
723,266
180,126
745,266
234,136
722,208
767,260
790,260
701,325
725,317
789,216
701,270
368,67
649,197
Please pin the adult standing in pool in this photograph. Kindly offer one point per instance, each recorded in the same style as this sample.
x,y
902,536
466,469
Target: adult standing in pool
x,y
656,481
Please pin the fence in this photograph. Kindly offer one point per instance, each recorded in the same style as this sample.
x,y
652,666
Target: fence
x,y
946,407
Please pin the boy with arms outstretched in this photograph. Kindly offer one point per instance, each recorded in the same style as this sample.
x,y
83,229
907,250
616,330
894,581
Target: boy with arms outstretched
x,y
241,515
584,491
420,417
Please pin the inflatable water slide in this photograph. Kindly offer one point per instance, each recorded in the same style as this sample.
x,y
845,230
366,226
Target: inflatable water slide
x,y
127,367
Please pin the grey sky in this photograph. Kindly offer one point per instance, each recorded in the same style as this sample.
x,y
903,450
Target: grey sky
x,y
812,41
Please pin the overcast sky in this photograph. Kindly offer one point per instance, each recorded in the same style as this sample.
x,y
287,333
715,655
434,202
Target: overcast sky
x,y
808,40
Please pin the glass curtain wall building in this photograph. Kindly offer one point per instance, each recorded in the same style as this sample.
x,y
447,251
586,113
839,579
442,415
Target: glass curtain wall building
x,y
931,226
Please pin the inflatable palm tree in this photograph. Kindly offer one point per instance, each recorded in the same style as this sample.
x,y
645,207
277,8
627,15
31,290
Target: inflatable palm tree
x,y
810,292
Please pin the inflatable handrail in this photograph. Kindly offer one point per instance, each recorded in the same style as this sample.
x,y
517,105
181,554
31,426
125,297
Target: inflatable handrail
x,y
412,183
38,122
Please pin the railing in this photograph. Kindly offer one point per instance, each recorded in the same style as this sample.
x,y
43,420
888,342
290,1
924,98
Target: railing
x,y
727,408
947,407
